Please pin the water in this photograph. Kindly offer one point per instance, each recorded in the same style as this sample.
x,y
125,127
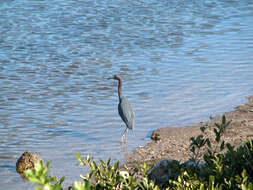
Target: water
x,y
181,62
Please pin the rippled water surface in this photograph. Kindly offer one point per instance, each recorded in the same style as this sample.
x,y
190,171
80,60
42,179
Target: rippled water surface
x,y
181,62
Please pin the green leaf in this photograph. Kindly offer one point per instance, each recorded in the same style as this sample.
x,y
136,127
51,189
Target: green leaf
x,y
215,131
78,156
217,125
108,162
202,129
34,180
102,163
250,186
88,158
211,179
222,146
193,149
79,186
208,142
116,165
217,139
244,187
61,180
224,119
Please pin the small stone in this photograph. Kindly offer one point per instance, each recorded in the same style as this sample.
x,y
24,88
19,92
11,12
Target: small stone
x,y
155,136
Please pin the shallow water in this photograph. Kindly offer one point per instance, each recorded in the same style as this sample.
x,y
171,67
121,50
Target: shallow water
x,y
181,62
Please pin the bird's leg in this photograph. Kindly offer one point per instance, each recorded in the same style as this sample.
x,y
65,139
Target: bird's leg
x,y
133,132
123,138
123,146
124,133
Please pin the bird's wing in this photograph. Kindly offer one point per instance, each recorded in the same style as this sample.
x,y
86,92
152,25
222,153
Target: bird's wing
x,y
126,112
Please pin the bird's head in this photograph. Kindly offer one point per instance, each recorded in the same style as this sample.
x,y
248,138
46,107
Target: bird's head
x,y
116,77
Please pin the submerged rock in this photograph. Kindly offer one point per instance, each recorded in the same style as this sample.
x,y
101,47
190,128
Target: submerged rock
x,y
27,161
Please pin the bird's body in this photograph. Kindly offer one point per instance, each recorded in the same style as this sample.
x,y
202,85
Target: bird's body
x,y
125,109
126,112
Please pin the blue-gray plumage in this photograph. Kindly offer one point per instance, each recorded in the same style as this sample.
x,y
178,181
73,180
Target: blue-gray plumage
x,y
125,109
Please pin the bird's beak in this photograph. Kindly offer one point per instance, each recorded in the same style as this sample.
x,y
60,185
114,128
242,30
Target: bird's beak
x,y
110,78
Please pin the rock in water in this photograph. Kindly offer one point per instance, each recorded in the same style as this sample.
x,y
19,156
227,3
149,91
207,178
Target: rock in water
x,y
27,161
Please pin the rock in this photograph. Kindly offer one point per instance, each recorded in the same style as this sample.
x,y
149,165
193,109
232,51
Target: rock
x,y
190,164
163,171
27,161
168,169
155,136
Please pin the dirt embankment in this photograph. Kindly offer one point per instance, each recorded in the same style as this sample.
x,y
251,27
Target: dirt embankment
x,y
174,142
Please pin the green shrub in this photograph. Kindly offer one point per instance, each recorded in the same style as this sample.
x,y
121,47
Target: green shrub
x,y
103,176
230,170
39,176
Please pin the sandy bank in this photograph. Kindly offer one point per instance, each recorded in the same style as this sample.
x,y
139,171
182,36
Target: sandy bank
x,y
174,141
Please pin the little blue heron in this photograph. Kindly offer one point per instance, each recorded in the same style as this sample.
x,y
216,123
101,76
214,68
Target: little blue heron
x,y
125,109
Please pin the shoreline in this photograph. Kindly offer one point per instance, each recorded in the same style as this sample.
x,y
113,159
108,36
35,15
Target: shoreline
x,y
174,142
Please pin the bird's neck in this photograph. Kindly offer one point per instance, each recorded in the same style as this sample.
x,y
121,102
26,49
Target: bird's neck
x,y
120,88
